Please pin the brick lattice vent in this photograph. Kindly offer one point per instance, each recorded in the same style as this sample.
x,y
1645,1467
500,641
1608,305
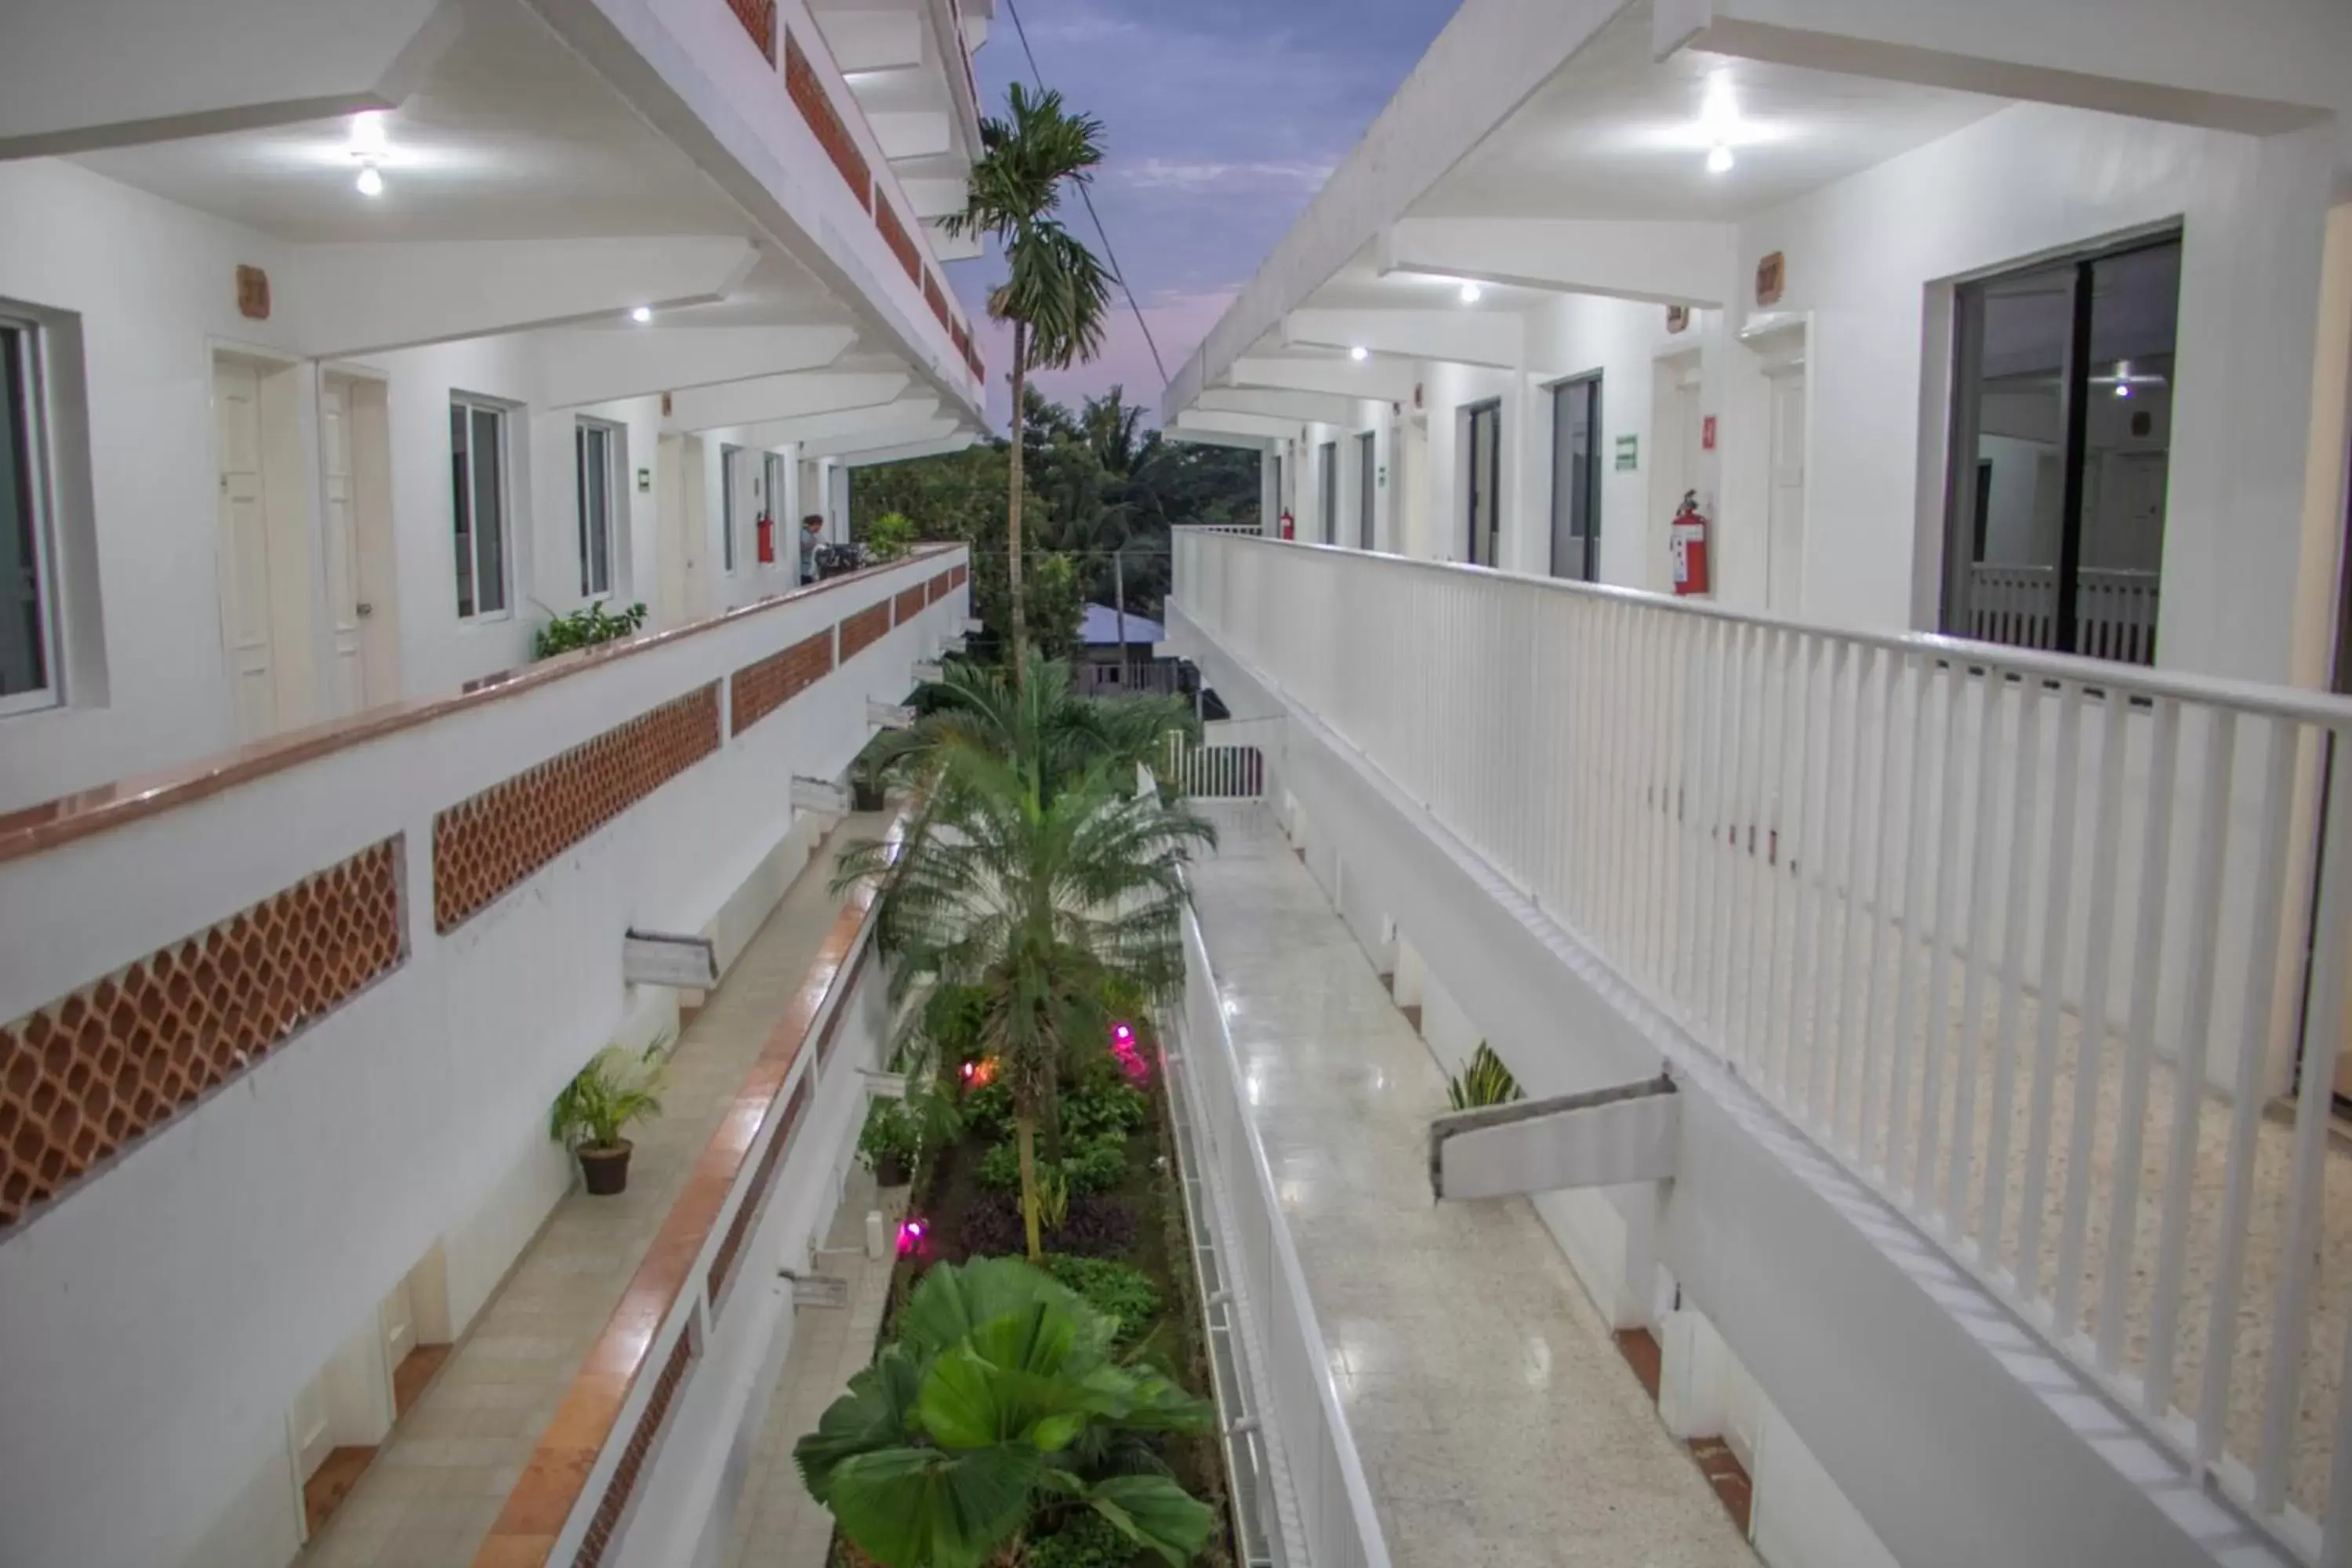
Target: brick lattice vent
x,y
614,1504
760,687
863,630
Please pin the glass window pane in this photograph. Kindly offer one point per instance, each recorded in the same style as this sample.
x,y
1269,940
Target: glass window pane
x,y
600,538
489,510
461,507
1367,488
2126,458
24,595
2010,499
727,456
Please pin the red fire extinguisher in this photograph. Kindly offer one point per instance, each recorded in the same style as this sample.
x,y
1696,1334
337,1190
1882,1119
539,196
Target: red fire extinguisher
x,y
1289,527
767,531
1688,535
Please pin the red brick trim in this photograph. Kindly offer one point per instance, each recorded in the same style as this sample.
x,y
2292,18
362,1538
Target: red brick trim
x,y
894,236
910,604
758,19
863,630
759,689
617,1490
807,92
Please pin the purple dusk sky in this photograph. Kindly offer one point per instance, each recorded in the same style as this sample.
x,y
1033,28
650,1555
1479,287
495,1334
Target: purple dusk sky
x,y
1222,120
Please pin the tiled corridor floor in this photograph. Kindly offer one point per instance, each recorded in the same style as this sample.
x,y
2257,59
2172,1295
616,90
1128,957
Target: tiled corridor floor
x,y
1498,1426
777,1523
438,1481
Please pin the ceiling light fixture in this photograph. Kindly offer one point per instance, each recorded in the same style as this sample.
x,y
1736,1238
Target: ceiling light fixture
x,y
1472,293
642,314
1360,354
370,149
1718,158
371,181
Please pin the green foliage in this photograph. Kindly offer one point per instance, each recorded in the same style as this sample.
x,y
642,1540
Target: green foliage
x,y
890,535
998,1403
892,1132
608,1094
585,628
1103,1106
1088,1166
1124,1294
1088,1540
1482,1080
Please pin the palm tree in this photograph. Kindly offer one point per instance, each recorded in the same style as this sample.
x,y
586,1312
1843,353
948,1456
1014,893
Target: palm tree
x,y
1043,887
1000,1402
1057,292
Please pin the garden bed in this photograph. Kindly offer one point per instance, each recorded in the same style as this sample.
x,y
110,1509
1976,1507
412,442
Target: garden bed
x,y
1135,1221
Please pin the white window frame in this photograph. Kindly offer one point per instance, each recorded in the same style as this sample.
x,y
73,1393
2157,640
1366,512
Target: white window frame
x,y
28,429
773,469
585,433
498,411
727,455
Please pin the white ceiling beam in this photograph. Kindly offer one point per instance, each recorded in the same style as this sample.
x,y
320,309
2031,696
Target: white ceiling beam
x,y
885,419
959,441
913,134
583,365
1664,263
79,75
1264,426
861,40
1219,438
1338,377
371,298
1493,338
954,247
935,198
763,399
884,440
1320,408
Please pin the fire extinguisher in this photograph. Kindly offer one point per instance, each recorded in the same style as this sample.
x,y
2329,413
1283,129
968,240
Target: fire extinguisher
x,y
767,531
1289,527
1689,534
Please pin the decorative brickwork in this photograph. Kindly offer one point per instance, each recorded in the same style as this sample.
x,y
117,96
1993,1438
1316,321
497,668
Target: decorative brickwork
x,y
757,689
936,298
616,1503
863,630
815,105
971,357
956,576
486,846
758,19
910,604
95,1071
755,1196
894,236
962,336
942,586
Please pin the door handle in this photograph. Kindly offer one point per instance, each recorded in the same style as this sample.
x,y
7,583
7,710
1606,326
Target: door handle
x,y
363,609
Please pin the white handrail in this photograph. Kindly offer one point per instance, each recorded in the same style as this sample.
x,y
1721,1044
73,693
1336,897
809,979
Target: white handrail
x,y
2019,938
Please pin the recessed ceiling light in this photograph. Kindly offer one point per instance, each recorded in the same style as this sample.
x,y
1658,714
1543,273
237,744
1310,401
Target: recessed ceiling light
x,y
370,183
1718,158
367,131
642,314
1360,354
1472,293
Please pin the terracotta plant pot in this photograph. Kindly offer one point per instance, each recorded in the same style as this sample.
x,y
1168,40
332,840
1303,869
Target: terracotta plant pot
x,y
605,1171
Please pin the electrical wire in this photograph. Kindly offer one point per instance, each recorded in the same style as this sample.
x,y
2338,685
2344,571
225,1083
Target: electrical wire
x,y
1086,195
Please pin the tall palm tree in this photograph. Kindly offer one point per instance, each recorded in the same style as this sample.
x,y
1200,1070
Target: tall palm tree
x,y
1056,293
1044,905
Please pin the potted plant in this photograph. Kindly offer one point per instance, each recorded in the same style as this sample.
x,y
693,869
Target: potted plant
x,y
889,536
611,1091
889,1142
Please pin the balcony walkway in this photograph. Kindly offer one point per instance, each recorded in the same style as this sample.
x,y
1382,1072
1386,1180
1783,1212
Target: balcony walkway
x,y
438,1483
1498,1423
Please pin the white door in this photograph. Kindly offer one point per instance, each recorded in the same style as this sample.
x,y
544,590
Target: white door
x,y
346,675
243,545
309,1431
1785,547
397,1319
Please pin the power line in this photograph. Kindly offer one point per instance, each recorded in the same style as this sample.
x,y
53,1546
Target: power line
x,y
1086,195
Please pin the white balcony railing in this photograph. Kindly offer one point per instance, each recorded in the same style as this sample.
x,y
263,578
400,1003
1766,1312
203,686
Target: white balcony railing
x,y
2115,611
2021,939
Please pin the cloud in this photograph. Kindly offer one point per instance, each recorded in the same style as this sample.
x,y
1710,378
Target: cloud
x,y
1176,173
1178,319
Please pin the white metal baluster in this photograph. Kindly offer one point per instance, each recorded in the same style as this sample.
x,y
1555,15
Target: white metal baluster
x,y
2306,1194
1875,1048
2188,1068
2090,1046
1762,885
2023,821
1696,787
2057,903
1935,1005
1796,724
1658,702
1869,672
2140,1043
1965,1054
1821,804
1745,879
1723,835
2246,1096
1675,663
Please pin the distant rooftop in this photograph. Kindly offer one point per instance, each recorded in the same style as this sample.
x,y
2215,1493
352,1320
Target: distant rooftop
x,y
1100,628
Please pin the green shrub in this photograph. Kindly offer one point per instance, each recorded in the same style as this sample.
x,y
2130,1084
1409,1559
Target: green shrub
x,y
1090,1165
1100,1107
1482,1080
988,1110
1114,1290
890,535
891,1134
1085,1541
585,628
